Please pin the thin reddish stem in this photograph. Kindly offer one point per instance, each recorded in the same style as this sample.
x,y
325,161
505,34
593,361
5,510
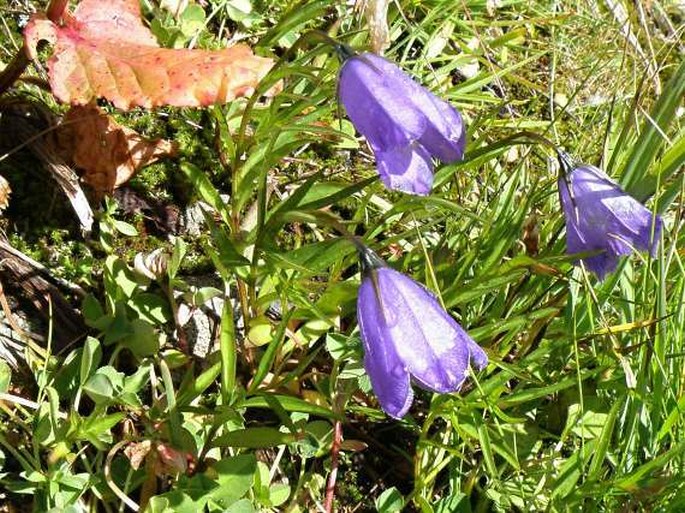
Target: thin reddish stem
x,y
56,9
333,476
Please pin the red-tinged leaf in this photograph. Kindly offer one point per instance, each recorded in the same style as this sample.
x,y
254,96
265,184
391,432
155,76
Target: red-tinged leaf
x,y
106,153
104,50
171,461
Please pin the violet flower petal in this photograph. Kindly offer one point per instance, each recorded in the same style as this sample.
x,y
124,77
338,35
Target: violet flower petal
x,y
438,126
436,349
479,359
441,129
600,216
377,98
444,135
389,376
406,168
400,118
403,325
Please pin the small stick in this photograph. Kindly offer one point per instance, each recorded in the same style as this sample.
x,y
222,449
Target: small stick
x,y
10,316
72,287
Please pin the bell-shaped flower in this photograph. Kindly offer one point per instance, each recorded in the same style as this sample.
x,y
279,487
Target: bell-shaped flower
x,y
408,336
602,218
405,124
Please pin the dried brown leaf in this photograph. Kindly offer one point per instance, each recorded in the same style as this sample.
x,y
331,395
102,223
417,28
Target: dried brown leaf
x,y
136,452
107,153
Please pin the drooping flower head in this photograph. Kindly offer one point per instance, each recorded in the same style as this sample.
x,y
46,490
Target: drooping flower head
x,y
405,124
601,217
408,336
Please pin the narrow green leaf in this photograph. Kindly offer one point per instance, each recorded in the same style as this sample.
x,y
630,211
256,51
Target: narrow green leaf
x,y
604,440
538,392
254,438
485,446
90,358
5,378
323,194
636,178
206,190
673,417
177,255
571,470
275,218
632,481
301,13
175,419
198,385
227,349
286,402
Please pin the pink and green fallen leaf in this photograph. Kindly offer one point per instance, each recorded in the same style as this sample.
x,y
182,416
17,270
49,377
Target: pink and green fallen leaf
x,y
103,50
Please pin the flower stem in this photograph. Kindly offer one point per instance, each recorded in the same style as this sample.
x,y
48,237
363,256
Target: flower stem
x,y
56,9
332,477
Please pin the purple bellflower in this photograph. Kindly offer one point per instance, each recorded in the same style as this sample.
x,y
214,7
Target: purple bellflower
x,y
407,335
602,218
405,124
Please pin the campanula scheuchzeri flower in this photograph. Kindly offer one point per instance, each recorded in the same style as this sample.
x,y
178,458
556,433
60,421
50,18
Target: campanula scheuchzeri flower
x,y
405,124
601,217
408,336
